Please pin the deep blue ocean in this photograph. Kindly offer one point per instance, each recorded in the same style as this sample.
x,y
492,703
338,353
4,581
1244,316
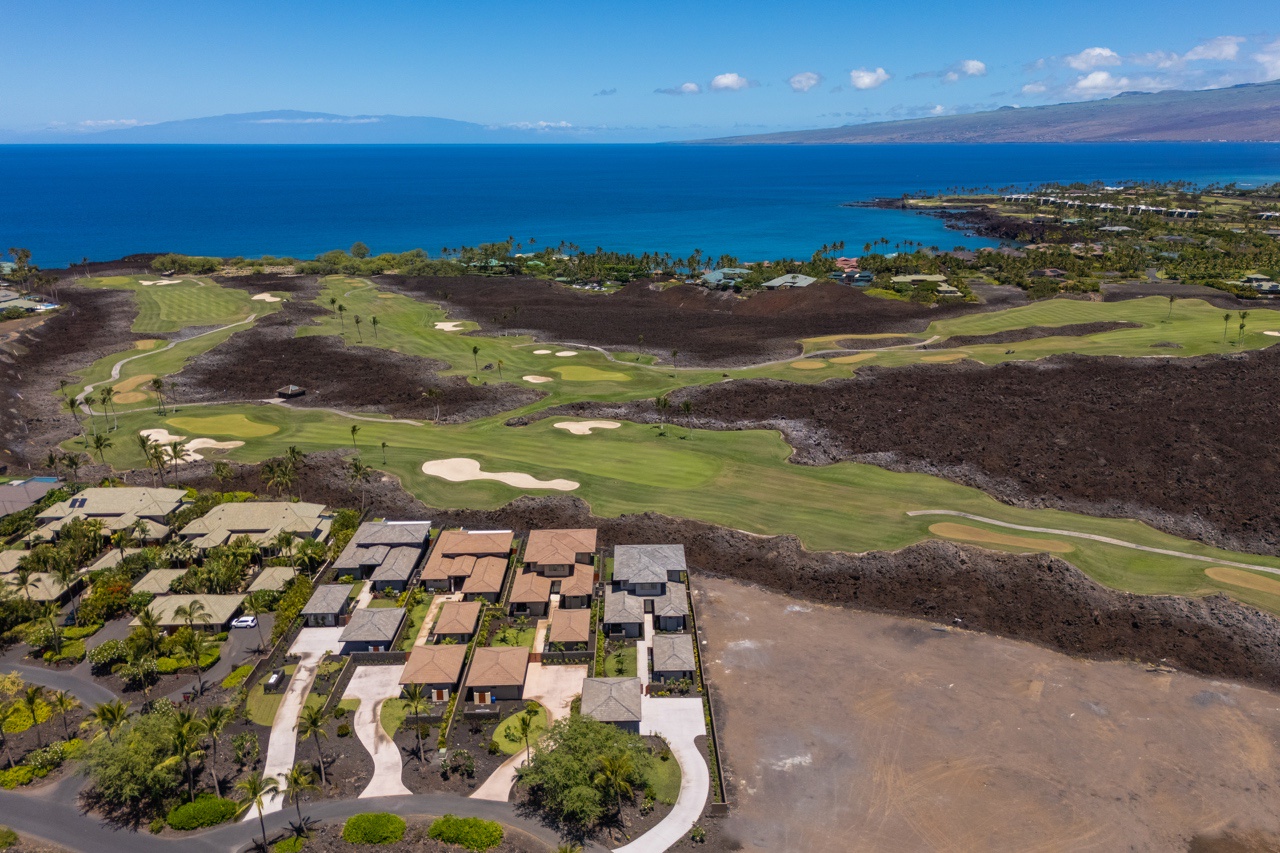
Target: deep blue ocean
x,y
71,201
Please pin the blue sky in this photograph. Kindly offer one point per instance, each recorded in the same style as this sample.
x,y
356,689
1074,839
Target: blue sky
x,y
608,70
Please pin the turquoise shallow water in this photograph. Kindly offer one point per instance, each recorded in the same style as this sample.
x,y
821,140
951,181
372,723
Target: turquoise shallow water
x,y
72,201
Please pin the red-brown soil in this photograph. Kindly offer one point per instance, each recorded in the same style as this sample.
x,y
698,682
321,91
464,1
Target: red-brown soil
x,y
846,731
703,326
1179,443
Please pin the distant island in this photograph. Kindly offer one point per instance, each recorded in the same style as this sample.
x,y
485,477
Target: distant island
x,y
1246,113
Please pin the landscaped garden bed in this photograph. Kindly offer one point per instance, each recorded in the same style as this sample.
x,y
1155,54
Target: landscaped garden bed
x,y
416,836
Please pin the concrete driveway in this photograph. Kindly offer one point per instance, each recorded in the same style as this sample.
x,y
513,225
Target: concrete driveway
x,y
310,646
374,685
679,721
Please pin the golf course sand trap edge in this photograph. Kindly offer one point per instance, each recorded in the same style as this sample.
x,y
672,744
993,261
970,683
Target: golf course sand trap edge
x,y
534,378
266,297
451,326
188,452
542,352
951,530
565,353
462,469
1272,333
1241,578
585,427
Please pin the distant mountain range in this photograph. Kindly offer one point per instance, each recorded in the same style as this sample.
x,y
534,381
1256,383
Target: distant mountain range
x,y
1246,113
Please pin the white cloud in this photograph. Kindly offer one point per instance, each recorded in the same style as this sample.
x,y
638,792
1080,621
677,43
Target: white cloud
x,y
1093,57
937,110
729,82
861,78
973,68
1269,57
804,81
682,89
1221,48
1034,89
1100,83
110,122
541,125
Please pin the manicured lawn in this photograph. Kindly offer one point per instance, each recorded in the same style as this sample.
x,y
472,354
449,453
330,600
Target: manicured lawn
x,y
416,614
511,636
260,706
186,301
664,779
624,668
382,602
507,733
392,715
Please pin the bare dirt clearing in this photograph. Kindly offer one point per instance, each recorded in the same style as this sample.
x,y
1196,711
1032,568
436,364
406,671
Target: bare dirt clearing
x,y
928,740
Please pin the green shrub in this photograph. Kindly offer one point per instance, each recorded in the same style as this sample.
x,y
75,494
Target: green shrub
x,y
288,845
472,833
373,828
80,632
16,777
237,676
157,826
168,666
72,650
106,655
344,730
51,757
8,838
207,810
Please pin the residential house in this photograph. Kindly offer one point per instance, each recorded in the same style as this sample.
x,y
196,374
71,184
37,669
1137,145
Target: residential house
x,y
576,590
41,586
555,553
671,609
158,581
570,629
117,509
371,629
457,553
273,578
623,614
10,559
918,279
219,610
613,700
112,558
436,668
486,580
530,595
24,494
385,553
457,620
673,657
328,606
497,673
646,569
1048,272
790,280
261,521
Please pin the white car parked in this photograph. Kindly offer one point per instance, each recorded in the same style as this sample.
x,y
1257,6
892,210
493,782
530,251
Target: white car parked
x,y
245,622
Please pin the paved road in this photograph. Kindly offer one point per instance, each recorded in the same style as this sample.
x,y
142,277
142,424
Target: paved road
x,y
241,647
373,685
680,722
1093,537
88,691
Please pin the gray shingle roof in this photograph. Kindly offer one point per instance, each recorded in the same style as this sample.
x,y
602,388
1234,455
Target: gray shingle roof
x,y
373,625
619,607
397,564
374,540
646,563
612,700
673,602
330,598
673,653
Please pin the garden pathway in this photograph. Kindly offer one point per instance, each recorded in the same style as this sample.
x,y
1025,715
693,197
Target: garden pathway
x,y
374,685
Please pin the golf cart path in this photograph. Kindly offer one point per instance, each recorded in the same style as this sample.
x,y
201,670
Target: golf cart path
x,y
374,685
1093,537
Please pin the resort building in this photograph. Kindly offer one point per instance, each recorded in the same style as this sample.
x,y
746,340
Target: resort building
x,y
261,521
117,509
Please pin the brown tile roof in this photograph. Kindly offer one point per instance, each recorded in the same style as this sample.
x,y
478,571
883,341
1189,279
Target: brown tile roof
x,y
434,665
580,582
453,543
570,626
457,617
498,666
530,587
487,576
558,547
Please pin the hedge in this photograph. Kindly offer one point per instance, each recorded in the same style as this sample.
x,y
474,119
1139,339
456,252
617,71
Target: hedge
x,y
8,838
72,650
207,810
16,777
473,833
373,828
288,845
237,676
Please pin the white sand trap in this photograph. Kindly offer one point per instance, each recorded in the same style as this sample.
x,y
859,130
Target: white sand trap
x,y
187,452
537,379
462,469
158,282
585,427
1272,334
210,444
161,435
451,326
542,352
565,353
266,297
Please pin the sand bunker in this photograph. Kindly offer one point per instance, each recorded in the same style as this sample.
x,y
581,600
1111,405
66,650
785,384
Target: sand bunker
x,y
133,382
187,452
537,379
210,444
266,297
130,397
148,343
386,296
462,469
542,352
1272,334
951,530
159,282
565,353
1243,579
854,359
448,327
161,435
585,427
808,365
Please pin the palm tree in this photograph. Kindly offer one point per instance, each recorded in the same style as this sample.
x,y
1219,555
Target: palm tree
x,y
373,321
614,777
475,354
222,472
499,369
1172,299
1226,321
358,474
569,848
216,719
686,408
32,699
253,790
195,645
355,429
109,717
157,386
524,724
415,699
25,581
311,724
434,394
333,304
297,781
145,443
149,627
342,315
64,703
662,404
1244,315
185,746
108,395
100,442
358,322
53,462
192,613
7,712
255,605
72,463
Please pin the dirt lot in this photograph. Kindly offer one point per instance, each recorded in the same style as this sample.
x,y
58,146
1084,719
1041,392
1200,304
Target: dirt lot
x,y
705,327
1175,442
958,741
334,374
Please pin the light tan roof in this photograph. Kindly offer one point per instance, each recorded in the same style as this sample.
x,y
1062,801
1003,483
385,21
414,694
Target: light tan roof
x,y
261,521
530,587
9,561
580,582
457,617
273,578
498,666
113,558
157,581
559,547
434,665
125,500
43,587
487,576
570,626
220,608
